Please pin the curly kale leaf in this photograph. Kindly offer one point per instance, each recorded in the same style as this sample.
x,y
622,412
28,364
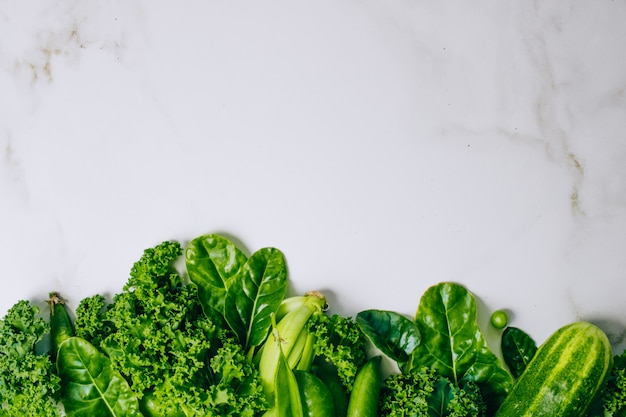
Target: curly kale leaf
x,y
425,392
612,400
28,384
340,341
235,387
157,336
159,333
90,321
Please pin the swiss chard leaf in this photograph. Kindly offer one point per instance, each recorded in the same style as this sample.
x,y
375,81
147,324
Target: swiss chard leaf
x,y
89,385
453,344
392,333
255,294
212,262
518,348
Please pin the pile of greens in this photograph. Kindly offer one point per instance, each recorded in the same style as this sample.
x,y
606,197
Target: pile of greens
x,y
220,336
446,367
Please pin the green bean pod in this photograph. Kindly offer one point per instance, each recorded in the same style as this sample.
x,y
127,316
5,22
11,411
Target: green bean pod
x,y
61,326
363,400
287,401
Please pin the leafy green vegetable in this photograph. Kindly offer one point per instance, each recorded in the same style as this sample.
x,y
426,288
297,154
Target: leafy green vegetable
x,y
254,295
158,338
90,386
340,342
28,384
243,292
453,344
424,392
234,386
395,335
612,401
90,322
212,262
518,348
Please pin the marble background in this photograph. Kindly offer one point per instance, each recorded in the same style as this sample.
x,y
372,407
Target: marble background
x,y
383,146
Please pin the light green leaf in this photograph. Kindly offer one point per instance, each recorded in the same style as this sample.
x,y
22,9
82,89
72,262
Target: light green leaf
x,y
453,344
89,385
212,262
255,294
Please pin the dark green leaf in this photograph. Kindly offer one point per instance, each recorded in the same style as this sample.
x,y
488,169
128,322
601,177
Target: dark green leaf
x,y
212,261
89,385
440,398
255,294
453,344
518,348
395,335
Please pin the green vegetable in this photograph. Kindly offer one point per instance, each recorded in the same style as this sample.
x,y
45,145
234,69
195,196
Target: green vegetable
x,y
452,343
226,342
90,386
327,372
395,335
364,397
90,322
287,402
254,295
157,336
316,398
518,348
288,340
612,401
61,327
212,262
28,383
565,376
424,392
243,292
339,341
499,319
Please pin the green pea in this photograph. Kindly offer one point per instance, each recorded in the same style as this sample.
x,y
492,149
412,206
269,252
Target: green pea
x,y
499,319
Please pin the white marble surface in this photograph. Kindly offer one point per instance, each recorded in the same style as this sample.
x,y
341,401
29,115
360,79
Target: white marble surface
x,y
382,146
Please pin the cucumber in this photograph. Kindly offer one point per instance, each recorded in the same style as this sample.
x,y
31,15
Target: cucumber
x,y
565,375
365,394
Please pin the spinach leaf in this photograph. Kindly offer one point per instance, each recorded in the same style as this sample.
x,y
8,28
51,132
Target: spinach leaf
x,y
441,396
453,344
393,334
212,261
89,385
254,295
518,348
